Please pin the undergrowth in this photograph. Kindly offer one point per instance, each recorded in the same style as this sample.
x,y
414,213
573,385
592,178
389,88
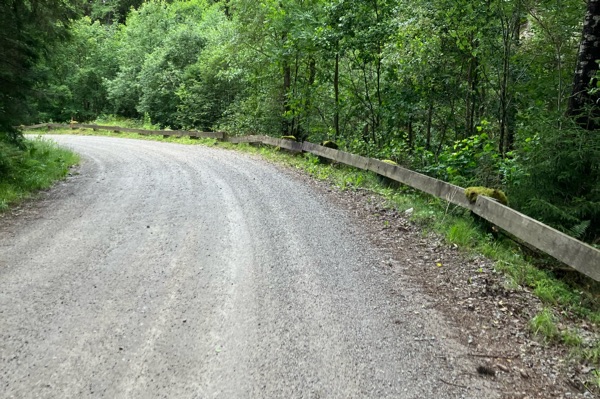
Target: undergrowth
x,y
566,295
112,120
37,165
544,324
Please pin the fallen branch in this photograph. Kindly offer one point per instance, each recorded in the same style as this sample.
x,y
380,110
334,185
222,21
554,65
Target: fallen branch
x,y
491,355
454,385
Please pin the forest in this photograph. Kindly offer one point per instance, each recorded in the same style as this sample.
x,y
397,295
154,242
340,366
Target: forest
x,y
495,93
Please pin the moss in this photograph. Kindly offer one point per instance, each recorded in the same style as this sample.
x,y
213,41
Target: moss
x,y
473,192
329,144
293,138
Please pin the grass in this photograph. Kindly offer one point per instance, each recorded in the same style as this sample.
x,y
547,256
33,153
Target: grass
x,y
462,233
571,338
36,166
544,324
592,354
573,296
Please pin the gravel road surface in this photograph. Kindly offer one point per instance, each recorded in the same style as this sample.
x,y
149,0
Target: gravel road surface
x,y
171,271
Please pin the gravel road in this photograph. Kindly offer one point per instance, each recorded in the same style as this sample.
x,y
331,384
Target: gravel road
x,y
171,271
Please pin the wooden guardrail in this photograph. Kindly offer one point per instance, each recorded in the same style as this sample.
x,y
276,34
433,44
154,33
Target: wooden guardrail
x,y
576,254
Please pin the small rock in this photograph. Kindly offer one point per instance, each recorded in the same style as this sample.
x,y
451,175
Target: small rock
x,y
587,369
502,367
524,373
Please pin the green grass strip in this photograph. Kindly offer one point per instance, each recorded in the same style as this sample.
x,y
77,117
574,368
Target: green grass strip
x,y
36,166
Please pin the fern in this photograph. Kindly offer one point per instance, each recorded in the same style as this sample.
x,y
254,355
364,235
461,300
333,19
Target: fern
x,y
579,229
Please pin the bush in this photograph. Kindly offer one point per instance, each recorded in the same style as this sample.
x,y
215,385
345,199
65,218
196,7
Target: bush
x,y
562,181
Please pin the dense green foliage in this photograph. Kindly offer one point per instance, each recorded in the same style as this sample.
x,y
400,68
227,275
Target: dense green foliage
x,y
27,30
476,94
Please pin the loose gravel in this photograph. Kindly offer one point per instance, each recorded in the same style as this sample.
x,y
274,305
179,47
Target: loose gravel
x,y
167,271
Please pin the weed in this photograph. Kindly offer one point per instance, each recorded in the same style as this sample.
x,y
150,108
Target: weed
x,y
544,324
592,353
462,233
571,338
552,292
596,378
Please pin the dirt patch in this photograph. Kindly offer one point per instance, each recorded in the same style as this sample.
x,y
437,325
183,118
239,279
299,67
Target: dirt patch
x,y
32,208
492,316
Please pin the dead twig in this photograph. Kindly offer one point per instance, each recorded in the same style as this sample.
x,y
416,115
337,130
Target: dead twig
x,y
491,355
454,385
448,199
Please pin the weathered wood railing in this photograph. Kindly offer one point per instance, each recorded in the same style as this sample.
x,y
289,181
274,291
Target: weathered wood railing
x,y
576,254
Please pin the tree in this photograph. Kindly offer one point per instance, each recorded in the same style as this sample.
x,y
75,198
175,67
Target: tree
x,y
584,101
27,29
211,84
70,84
110,11
275,48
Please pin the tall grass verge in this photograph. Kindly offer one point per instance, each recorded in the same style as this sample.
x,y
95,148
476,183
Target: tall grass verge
x,y
35,166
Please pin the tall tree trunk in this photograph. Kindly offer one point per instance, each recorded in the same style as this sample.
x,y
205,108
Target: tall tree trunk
x,y
287,84
429,118
295,129
303,130
471,95
511,30
226,9
583,105
336,89
411,138
312,70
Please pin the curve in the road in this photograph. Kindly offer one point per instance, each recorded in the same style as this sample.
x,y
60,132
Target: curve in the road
x,y
174,271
